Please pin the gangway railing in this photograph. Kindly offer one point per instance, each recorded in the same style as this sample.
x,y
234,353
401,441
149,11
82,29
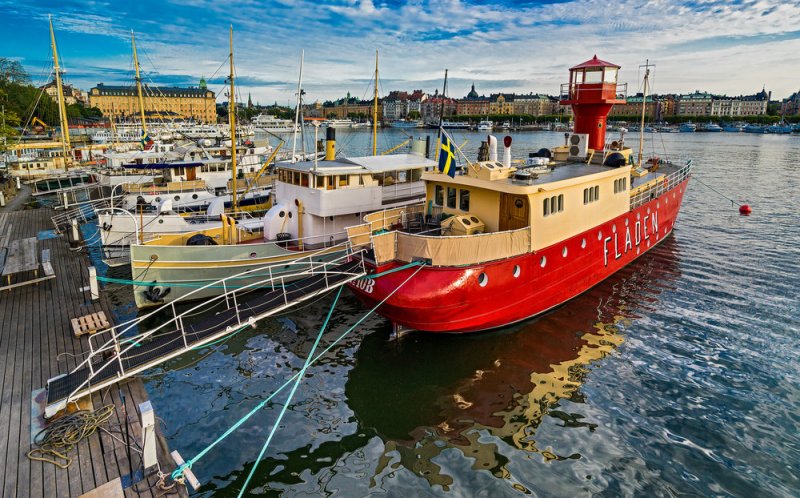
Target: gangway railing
x,y
83,212
119,352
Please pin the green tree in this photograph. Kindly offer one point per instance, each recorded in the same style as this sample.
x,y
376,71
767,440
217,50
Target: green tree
x,y
9,121
11,71
414,115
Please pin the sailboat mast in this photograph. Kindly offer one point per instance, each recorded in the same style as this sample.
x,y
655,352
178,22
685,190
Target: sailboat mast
x,y
138,85
644,108
232,120
299,103
375,111
62,111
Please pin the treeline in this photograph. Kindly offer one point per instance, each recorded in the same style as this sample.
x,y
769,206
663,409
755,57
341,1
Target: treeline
x,y
516,119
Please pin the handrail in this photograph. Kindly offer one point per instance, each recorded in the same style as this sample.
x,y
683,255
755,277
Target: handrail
x,y
668,182
120,344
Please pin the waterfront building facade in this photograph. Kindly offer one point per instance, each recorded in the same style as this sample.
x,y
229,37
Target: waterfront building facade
x,y
72,95
791,106
120,102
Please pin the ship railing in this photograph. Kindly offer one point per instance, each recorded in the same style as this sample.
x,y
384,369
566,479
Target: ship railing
x,y
577,91
120,340
661,186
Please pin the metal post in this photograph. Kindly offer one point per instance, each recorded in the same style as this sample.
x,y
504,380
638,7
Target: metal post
x,y
18,185
2,200
148,420
75,232
93,286
66,200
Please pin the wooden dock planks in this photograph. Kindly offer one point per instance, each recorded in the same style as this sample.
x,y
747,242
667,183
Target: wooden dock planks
x,y
36,344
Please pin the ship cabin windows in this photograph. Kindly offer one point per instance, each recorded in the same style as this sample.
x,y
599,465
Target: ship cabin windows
x,y
591,194
438,195
553,204
620,185
463,200
451,197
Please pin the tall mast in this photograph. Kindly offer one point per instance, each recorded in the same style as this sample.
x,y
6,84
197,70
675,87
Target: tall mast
x,y
441,116
62,110
644,108
375,111
232,120
299,104
138,85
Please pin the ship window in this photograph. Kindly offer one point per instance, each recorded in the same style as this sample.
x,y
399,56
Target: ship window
x,y
546,207
591,194
543,261
416,175
516,271
553,205
304,180
438,195
451,197
331,180
342,180
483,280
463,200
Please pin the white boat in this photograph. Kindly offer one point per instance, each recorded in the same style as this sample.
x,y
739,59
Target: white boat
x,y
403,123
273,124
455,125
338,123
485,125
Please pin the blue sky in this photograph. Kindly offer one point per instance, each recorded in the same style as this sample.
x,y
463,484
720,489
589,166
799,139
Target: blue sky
x,y
730,47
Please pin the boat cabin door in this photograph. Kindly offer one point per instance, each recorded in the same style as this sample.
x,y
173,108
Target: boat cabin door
x,y
191,173
514,212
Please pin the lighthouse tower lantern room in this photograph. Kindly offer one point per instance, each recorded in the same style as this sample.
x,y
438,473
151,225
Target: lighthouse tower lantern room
x,y
592,91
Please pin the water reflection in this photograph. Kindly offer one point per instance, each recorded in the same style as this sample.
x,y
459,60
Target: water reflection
x,y
424,394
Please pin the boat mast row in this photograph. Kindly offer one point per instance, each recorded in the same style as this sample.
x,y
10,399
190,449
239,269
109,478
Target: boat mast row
x,y
62,111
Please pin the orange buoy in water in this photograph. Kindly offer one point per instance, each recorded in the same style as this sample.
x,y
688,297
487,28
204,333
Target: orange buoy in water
x,y
745,210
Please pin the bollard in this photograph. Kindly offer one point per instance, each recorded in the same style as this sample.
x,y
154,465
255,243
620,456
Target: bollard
x,y
93,288
148,420
18,185
2,199
75,233
66,201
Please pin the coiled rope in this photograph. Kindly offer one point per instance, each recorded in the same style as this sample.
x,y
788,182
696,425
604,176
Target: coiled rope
x,y
60,437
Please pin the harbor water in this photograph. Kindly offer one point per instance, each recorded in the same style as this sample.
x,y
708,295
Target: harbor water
x,y
676,376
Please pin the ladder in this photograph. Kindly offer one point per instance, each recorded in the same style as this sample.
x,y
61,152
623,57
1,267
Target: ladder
x,y
120,352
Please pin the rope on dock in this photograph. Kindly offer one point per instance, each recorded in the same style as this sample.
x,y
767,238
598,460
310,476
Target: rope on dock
x,y
60,437
177,474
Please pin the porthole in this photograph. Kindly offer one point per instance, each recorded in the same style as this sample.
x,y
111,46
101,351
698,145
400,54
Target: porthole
x,y
474,219
626,221
638,216
194,196
543,261
158,199
599,235
253,255
564,252
614,228
658,205
282,214
648,210
516,271
583,244
483,280
518,203
177,197
160,220
290,214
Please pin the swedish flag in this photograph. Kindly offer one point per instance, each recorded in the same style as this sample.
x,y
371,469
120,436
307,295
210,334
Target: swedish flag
x,y
147,142
447,157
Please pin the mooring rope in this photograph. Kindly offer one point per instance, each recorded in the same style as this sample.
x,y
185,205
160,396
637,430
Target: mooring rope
x,y
177,474
60,437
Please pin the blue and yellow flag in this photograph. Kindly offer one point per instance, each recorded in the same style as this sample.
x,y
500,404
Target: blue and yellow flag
x,y
447,157
147,142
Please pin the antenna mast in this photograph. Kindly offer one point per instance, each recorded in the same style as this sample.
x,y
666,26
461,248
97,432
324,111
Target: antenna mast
x,y
138,85
375,111
232,120
646,66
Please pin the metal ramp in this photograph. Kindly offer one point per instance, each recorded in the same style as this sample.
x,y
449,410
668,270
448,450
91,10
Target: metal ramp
x,y
124,354
83,212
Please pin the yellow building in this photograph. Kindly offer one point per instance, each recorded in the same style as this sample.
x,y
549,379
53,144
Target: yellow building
x,y
122,101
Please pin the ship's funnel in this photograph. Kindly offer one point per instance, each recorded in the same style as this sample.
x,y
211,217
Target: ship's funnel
x,y
330,143
492,147
507,151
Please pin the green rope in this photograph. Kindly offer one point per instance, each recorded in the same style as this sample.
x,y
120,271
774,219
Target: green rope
x,y
178,473
300,376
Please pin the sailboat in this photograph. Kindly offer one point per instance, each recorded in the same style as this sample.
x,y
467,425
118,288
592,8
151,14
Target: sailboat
x,y
316,201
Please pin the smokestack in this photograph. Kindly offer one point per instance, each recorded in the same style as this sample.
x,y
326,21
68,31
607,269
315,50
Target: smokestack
x,y
507,151
330,143
492,147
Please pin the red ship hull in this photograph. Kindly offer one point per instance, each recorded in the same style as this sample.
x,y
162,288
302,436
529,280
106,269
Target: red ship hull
x,y
452,300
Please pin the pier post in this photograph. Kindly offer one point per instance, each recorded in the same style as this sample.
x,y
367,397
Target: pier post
x,y
75,233
93,287
18,185
148,421
66,201
2,200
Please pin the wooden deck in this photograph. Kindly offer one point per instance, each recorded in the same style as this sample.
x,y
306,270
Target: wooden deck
x,y
36,344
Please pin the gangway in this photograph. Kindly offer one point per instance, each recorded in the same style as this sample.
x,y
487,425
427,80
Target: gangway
x,y
126,353
83,212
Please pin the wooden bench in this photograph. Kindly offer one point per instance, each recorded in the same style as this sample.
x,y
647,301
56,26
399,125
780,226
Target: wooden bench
x,y
89,324
21,258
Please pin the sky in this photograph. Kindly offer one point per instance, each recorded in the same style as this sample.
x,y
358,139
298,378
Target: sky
x,y
731,47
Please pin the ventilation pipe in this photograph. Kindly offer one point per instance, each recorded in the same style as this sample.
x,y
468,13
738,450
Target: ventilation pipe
x,y
492,147
507,151
330,143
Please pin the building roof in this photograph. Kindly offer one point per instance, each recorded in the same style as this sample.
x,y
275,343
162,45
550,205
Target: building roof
x,y
592,63
167,91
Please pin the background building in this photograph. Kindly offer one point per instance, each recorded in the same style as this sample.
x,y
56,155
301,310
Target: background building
x,y
198,103
72,95
791,106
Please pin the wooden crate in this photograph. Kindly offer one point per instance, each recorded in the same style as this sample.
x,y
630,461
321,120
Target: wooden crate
x,y
89,324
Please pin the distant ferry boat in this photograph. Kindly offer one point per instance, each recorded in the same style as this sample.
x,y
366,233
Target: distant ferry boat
x,y
485,125
688,127
403,123
455,124
713,127
268,122
338,123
